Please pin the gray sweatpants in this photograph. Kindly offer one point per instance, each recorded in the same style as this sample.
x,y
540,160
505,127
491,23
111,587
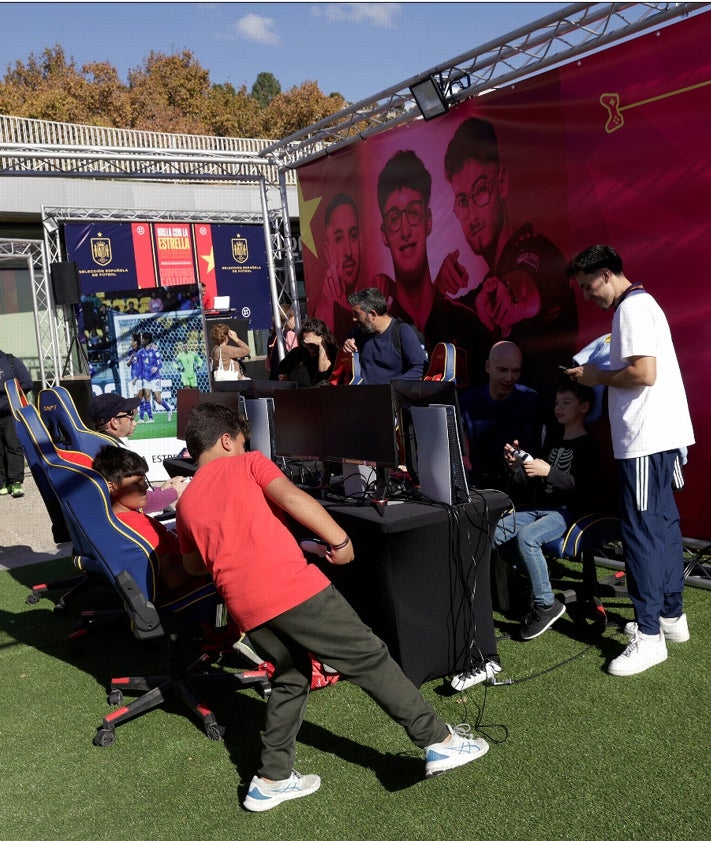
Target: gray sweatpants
x,y
328,627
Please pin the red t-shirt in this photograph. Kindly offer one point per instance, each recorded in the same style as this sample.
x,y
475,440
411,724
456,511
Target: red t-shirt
x,y
164,541
169,584
257,565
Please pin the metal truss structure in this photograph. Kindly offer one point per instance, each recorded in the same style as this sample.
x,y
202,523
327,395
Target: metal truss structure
x,y
553,40
31,254
61,342
34,147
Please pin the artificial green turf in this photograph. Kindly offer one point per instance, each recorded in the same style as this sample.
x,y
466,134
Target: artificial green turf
x,y
576,754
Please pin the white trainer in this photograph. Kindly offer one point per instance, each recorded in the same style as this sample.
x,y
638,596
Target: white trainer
x,y
263,795
460,749
643,651
674,630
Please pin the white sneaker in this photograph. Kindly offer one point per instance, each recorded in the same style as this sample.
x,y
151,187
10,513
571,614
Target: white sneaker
x,y
482,673
642,652
443,756
263,795
674,630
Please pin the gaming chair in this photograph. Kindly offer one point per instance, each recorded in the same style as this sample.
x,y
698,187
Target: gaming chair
x,y
130,564
65,426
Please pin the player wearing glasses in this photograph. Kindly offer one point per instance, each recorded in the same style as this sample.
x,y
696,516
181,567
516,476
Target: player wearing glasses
x,y
525,296
404,189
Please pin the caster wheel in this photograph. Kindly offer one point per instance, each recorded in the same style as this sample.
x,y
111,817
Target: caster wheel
x,y
104,738
115,698
33,598
215,732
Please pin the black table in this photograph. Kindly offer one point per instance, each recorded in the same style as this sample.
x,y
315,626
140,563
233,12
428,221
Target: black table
x,y
421,580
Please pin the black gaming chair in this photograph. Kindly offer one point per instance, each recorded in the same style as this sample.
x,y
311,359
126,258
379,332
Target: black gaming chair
x,y
130,565
588,537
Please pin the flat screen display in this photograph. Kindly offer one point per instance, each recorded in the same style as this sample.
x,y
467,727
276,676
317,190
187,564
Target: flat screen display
x,y
342,423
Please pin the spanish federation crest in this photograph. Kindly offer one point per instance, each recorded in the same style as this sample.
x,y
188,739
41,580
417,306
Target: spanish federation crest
x,y
240,250
101,250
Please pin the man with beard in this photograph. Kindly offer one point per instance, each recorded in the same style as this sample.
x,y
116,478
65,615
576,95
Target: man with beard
x,y
343,252
388,348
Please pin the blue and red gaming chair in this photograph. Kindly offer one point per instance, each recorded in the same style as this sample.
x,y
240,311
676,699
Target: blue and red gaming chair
x,y
62,531
130,564
66,428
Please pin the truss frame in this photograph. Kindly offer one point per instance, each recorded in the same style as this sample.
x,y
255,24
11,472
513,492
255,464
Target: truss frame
x,y
573,31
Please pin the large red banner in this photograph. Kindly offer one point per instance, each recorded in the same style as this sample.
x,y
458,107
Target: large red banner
x,y
613,148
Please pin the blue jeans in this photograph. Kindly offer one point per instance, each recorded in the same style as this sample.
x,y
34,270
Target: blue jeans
x,y
521,535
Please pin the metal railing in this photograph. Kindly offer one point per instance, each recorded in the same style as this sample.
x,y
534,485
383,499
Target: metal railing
x,y
29,146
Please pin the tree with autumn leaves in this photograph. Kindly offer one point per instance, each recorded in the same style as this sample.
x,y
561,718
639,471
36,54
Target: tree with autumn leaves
x,y
170,93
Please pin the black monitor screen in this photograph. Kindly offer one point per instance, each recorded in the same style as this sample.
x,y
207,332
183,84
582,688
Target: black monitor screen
x,y
408,393
188,398
266,388
343,423
253,388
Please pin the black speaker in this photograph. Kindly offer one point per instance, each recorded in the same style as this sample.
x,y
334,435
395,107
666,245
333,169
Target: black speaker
x,y
65,282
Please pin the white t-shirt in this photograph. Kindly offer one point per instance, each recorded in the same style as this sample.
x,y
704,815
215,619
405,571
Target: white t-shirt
x,y
646,419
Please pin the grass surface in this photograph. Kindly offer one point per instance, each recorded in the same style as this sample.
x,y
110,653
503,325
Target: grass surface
x,y
576,754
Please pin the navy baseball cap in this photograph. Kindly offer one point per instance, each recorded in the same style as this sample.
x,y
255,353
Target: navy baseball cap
x,y
107,406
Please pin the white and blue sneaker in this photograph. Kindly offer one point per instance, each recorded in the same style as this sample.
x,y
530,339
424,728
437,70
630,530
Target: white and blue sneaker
x,y
460,749
263,795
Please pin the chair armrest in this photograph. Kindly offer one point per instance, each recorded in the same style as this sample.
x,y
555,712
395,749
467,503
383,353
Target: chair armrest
x,y
145,620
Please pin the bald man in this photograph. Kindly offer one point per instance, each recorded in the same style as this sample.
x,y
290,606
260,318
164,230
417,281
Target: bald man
x,y
498,413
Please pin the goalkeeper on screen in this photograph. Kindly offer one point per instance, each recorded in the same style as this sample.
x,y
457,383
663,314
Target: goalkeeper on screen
x,y
188,362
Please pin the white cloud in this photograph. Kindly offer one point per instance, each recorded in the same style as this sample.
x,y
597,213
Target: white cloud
x,y
259,29
376,14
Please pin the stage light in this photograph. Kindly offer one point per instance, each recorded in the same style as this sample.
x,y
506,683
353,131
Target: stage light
x,y
429,98
50,223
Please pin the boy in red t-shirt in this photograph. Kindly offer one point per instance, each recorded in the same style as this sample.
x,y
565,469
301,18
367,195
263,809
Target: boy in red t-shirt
x,y
232,523
125,474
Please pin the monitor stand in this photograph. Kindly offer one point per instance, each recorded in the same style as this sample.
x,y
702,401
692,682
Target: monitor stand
x,y
380,495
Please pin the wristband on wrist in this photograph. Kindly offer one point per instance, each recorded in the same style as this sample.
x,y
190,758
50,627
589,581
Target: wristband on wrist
x,y
341,545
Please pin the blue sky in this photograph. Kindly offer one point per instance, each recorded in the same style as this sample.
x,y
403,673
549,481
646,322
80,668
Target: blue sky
x,y
357,49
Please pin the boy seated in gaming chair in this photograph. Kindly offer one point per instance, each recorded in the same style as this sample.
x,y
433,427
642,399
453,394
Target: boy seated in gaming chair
x,y
565,483
125,474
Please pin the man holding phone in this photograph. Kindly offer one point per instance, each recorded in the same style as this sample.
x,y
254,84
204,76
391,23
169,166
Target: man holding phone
x,y
650,422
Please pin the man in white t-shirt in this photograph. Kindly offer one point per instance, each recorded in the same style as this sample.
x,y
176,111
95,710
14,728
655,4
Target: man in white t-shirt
x,y
650,423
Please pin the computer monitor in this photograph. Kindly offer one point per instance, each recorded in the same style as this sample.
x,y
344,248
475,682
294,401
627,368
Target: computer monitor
x,y
221,302
267,388
188,398
344,423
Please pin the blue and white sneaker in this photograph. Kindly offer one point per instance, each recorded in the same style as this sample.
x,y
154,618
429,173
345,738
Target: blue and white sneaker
x,y
263,795
460,749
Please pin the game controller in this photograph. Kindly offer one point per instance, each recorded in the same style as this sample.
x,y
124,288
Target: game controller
x,y
522,455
